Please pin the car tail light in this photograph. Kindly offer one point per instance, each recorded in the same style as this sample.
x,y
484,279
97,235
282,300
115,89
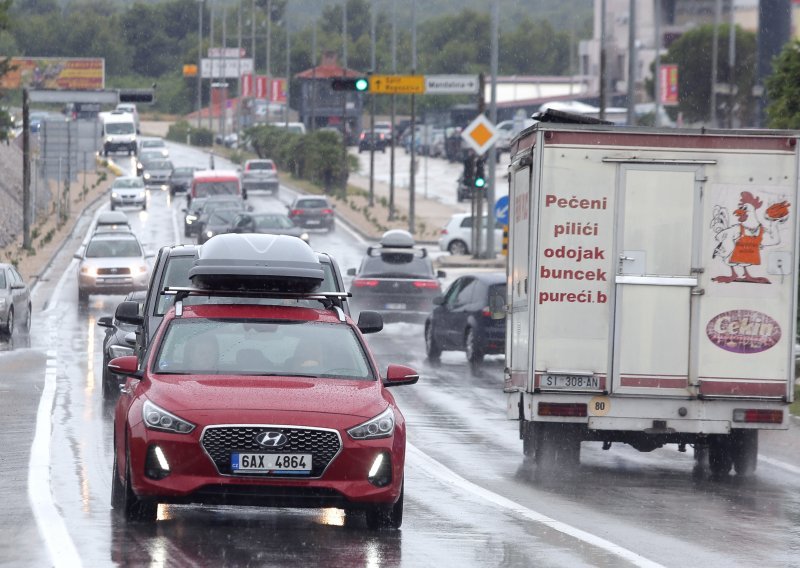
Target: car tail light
x,y
758,415
364,283
327,211
486,312
296,212
562,409
363,135
426,284
443,232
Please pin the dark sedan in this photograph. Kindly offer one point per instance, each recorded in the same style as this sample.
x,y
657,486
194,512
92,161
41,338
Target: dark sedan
x,y
396,279
268,223
181,179
316,212
216,223
119,341
464,320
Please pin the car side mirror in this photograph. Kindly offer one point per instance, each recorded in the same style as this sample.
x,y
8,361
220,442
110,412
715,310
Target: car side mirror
x,y
441,274
351,271
127,365
370,322
128,312
497,307
106,321
397,375
130,338
17,286
78,256
438,300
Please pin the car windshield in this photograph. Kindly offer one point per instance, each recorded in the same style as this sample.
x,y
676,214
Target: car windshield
x,y
260,166
212,205
272,222
205,188
128,182
223,216
262,348
159,165
183,172
153,143
2,280
120,128
114,248
312,203
398,265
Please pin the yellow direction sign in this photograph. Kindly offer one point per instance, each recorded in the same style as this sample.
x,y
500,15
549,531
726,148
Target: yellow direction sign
x,y
397,84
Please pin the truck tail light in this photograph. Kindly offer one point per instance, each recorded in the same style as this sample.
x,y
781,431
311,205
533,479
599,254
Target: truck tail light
x,y
758,415
364,283
562,409
426,284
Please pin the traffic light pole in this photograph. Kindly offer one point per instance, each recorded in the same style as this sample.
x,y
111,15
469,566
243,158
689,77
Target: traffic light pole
x,y
411,184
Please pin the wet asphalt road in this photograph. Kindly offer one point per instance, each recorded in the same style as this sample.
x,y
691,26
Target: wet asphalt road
x,y
471,499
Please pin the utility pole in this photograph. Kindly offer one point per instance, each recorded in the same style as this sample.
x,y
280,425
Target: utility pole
x,y
490,188
211,69
657,65
26,172
732,64
714,59
223,72
288,77
602,85
477,193
372,111
632,63
394,133
413,166
238,113
344,73
199,59
313,78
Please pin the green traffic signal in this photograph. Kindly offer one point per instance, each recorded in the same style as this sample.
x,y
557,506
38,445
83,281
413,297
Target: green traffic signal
x,y
480,177
359,84
362,84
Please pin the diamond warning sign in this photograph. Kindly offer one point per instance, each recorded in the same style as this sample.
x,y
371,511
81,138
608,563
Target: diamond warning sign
x,y
480,134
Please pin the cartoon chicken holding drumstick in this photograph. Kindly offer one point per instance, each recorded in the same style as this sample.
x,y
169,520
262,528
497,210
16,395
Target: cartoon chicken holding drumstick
x,y
740,243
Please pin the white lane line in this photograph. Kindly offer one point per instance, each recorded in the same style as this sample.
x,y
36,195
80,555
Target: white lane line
x,y
779,464
175,233
447,476
49,520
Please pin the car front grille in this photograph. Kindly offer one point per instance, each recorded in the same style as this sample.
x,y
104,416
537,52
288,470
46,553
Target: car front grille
x,y
220,441
112,271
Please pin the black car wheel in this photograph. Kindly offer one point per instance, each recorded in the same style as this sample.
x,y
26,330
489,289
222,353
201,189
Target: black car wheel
x,y
386,517
474,352
432,348
117,488
457,247
134,508
9,330
83,296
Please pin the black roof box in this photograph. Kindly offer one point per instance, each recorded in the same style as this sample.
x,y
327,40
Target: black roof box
x,y
278,263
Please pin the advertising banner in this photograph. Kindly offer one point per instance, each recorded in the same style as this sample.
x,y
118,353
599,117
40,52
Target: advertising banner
x,y
55,73
277,90
246,90
669,84
261,86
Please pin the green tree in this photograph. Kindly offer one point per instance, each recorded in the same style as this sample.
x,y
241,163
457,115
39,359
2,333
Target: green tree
x,y
692,53
783,89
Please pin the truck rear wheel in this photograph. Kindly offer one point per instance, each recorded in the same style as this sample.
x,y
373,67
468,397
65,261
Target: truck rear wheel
x,y
556,445
720,461
744,451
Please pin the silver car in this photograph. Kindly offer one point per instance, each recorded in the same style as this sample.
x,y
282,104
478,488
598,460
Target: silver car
x,y
128,191
157,173
112,263
15,301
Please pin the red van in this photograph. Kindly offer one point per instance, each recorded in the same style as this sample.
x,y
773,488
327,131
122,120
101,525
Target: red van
x,y
207,183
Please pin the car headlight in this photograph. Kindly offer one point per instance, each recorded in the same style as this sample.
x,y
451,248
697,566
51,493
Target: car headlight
x,y
147,175
142,268
164,153
2,302
209,234
89,270
382,426
119,351
114,194
191,219
305,237
156,418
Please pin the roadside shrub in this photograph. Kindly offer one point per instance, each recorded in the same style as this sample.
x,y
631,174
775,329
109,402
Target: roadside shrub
x,y
202,137
178,131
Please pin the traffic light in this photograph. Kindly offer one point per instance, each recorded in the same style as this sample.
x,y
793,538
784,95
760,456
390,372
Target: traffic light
x,y
359,84
480,177
468,176
137,95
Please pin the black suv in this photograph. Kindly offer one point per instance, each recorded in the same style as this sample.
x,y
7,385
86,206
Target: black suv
x,y
171,269
312,211
372,141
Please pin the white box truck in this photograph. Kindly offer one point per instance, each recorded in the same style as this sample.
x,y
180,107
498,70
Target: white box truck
x,y
652,278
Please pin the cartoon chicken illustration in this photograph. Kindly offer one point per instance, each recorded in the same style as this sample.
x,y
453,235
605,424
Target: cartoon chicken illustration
x,y
740,243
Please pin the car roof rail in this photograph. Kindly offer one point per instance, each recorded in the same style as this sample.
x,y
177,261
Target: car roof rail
x,y
329,300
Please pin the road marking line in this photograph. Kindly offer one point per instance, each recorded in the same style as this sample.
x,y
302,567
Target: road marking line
x,y
51,524
49,520
779,464
439,471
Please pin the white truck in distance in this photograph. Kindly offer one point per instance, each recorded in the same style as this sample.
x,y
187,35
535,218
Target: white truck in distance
x,y
652,290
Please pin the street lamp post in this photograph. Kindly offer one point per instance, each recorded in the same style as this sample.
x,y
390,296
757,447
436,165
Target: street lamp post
x,y
199,59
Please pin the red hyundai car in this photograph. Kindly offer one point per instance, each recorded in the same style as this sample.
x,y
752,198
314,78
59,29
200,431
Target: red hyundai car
x,y
258,404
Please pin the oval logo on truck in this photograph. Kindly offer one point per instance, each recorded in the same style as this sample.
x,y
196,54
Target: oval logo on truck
x,y
743,331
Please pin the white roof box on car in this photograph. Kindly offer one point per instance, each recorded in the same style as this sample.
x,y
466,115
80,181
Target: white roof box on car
x,y
397,238
278,263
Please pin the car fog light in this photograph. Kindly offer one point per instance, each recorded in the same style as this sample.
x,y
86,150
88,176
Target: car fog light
x,y
380,473
156,465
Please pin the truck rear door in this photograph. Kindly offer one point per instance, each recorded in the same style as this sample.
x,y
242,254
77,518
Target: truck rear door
x,y
658,245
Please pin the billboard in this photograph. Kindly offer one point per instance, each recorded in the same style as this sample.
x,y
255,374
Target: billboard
x,y
55,73
668,83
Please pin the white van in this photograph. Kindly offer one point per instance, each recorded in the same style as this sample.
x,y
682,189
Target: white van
x,y
131,108
119,132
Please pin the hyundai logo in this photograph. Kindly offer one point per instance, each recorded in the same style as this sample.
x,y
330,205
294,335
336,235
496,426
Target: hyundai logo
x,y
272,439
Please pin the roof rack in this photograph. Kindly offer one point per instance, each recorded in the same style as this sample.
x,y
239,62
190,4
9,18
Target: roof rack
x,y
553,115
329,300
